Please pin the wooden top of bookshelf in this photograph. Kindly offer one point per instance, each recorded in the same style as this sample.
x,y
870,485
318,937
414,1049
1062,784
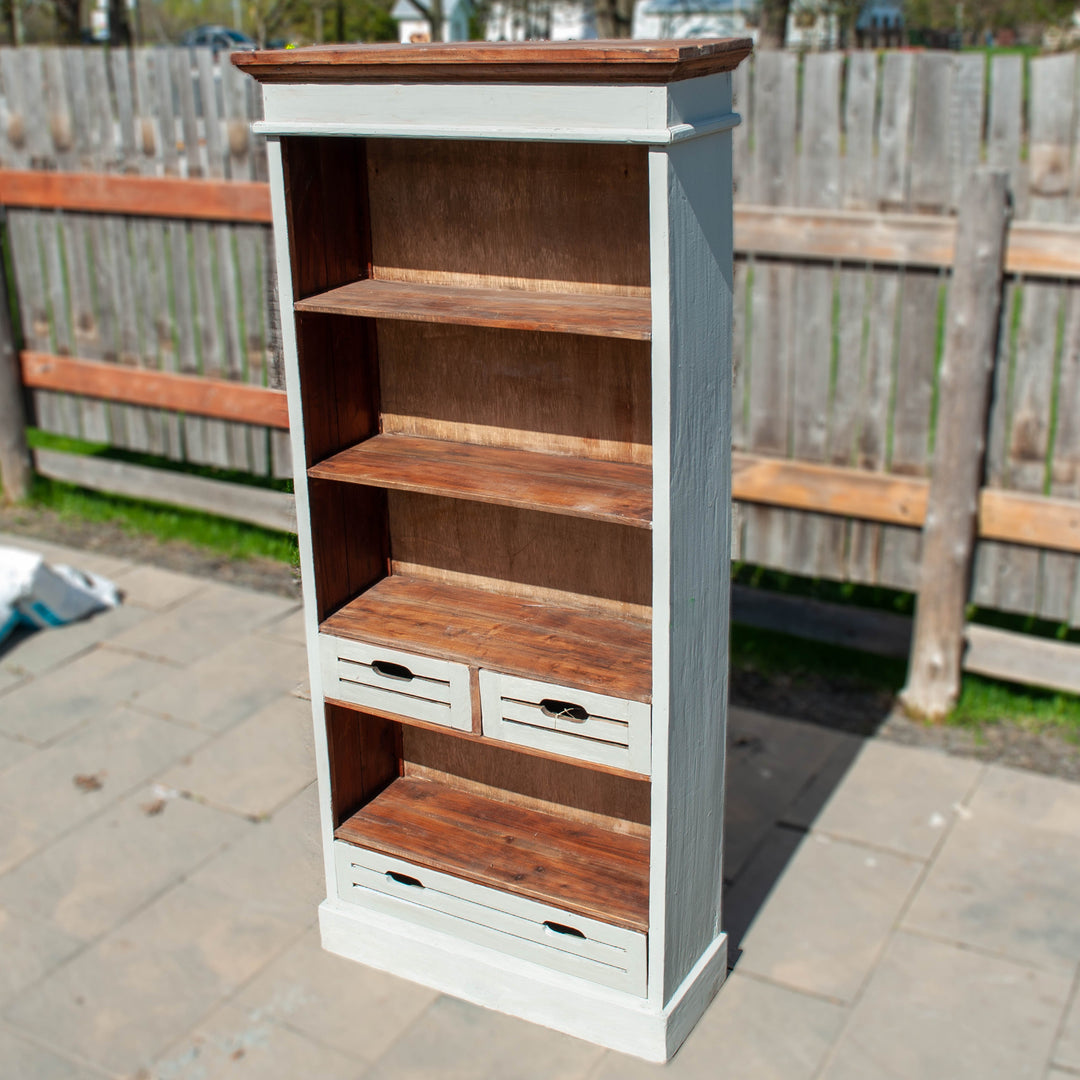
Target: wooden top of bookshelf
x,y
535,639
592,314
577,487
622,61
578,867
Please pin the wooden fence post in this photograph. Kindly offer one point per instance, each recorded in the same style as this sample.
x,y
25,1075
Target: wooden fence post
x,y
15,467
933,681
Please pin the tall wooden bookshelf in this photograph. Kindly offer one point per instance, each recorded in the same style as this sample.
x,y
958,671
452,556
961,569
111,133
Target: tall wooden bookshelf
x,y
506,285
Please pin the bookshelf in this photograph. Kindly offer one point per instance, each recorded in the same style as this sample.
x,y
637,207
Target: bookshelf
x,y
505,282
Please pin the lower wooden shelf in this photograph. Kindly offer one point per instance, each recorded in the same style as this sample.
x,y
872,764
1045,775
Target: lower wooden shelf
x,y
530,638
579,868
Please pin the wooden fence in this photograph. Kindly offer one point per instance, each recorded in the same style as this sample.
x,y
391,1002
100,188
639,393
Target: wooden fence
x,y
145,287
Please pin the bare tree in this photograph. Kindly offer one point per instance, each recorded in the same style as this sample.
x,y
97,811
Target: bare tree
x,y
614,18
774,17
432,11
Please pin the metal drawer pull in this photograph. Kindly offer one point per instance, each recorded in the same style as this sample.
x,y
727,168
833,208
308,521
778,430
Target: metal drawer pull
x,y
392,671
563,710
404,879
562,928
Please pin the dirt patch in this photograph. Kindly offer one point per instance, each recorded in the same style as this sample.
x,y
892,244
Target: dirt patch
x,y
110,538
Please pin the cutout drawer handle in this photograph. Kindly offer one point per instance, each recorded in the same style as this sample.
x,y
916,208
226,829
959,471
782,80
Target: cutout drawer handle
x,y
404,879
392,671
563,710
562,928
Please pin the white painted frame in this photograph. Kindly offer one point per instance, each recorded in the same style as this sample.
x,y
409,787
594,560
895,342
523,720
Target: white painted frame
x,y
687,125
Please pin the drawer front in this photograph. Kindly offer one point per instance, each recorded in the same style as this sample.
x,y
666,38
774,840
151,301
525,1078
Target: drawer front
x,y
592,727
609,955
397,682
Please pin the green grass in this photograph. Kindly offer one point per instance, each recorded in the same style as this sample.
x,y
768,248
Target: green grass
x,y
986,702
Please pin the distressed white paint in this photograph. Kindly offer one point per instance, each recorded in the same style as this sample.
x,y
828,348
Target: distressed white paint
x,y
616,733
438,691
497,980
609,955
625,114
303,505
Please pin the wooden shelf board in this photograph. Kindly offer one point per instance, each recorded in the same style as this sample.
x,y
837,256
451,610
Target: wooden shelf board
x,y
596,315
556,483
531,638
574,866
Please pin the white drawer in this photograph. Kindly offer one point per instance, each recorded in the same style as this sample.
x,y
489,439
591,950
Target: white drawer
x,y
591,727
609,955
396,682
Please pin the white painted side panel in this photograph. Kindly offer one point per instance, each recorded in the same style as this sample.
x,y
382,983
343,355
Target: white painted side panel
x,y
609,955
438,692
303,511
469,111
617,732
692,269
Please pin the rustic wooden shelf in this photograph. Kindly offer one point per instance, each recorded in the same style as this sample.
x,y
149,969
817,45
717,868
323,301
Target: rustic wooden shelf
x,y
595,315
531,638
578,867
559,484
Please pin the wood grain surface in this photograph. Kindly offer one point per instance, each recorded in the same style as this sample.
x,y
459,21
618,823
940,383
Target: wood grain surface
x,y
577,487
527,61
565,645
575,866
603,316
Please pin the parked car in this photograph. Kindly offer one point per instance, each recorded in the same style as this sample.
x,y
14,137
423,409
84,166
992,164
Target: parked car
x,y
219,38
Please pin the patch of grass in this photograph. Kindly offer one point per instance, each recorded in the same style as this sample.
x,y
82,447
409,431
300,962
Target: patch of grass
x,y
985,702
232,538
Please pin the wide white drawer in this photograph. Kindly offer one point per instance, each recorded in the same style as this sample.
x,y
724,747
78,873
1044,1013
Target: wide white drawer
x,y
610,955
397,682
592,727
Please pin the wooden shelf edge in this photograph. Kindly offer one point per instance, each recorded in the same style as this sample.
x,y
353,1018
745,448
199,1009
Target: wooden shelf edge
x,y
583,869
608,491
594,315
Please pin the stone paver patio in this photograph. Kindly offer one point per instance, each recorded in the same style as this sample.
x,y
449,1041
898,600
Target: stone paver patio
x,y
894,912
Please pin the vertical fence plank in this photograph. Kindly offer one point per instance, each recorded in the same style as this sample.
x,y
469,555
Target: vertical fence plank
x,y
816,541
772,296
1051,127
1004,142
743,104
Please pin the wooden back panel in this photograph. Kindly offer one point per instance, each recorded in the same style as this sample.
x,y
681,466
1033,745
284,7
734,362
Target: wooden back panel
x,y
525,215
561,393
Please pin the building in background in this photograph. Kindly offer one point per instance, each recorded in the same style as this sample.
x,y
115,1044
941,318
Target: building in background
x,y
694,18
413,24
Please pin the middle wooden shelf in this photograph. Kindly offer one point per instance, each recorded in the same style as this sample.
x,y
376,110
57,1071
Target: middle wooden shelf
x,y
612,491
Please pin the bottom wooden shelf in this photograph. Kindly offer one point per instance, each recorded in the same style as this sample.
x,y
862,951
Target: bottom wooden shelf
x,y
579,868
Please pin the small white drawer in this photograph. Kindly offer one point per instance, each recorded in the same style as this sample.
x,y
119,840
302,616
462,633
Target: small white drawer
x,y
396,682
610,955
592,727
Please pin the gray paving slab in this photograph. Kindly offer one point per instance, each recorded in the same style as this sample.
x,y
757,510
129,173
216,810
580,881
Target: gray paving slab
x,y
457,1041
289,628
1005,886
155,588
30,949
135,992
355,1009
201,624
235,1044
934,1010
898,797
45,796
12,751
226,687
21,1059
769,763
828,917
275,863
752,1030
86,688
1042,802
89,880
1067,1050
46,649
255,767
746,896
8,679
97,562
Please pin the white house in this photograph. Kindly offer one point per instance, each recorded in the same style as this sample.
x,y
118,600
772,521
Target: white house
x,y
412,26
693,18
